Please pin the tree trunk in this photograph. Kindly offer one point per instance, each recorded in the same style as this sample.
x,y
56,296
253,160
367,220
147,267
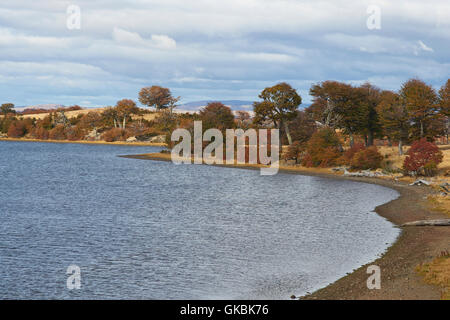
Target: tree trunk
x,y
124,122
352,140
421,129
115,123
389,142
370,139
400,147
286,128
365,140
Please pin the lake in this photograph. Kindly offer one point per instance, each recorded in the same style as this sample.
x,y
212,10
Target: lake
x,y
153,230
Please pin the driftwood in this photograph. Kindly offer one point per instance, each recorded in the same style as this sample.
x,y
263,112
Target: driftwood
x,y
423,223
420,182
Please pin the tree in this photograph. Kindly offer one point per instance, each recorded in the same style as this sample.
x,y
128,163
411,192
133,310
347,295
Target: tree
x,y
394,118
302,127
243,119
217,115
338,105
279,105
91,120
421,101
158,98
368,97
444,105
6,108
125,108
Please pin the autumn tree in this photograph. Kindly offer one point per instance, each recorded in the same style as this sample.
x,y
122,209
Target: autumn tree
x,y
6,108
394,117
279,105
243,119
125,108
91,120
368,97
444,106
158,98
338,105
302,127
421,101
217,115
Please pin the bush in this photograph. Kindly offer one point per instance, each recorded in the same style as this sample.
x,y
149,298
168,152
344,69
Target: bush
x,y
17,129
348,155
57,133
322,149
40,133
422,158
75,133
114,134
294,151
366,159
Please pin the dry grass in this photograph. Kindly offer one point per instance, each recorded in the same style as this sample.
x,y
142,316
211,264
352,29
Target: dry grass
x,y
396,161
74,114
437,272
439,203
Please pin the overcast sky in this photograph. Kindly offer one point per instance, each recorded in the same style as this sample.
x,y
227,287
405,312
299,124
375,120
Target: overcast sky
x,y
210,49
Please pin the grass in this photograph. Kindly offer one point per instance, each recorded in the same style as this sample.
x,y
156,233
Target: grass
x,y
437,272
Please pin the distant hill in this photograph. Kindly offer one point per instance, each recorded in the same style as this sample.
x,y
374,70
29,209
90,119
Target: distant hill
x,y
49,106
235,105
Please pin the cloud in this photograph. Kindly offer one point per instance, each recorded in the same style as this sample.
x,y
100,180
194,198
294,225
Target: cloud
x,y
124,37
207,49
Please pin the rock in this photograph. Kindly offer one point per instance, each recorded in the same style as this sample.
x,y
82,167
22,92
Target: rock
x,y
422,223
420,182
131,139
158,139
291,162
364,173
93,135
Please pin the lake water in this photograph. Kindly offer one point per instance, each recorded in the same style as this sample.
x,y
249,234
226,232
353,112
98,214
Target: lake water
x,y
152,230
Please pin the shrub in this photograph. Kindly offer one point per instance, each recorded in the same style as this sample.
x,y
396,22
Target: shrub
x,y
17,129
322,149
294,151
348,155
75,133
114,134
422,158
40,133
368,158
57,133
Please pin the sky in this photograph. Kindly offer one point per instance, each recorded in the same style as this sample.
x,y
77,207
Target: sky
x,y
214,50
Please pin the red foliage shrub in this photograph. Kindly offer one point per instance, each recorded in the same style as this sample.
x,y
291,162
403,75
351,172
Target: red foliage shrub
x,y
294,151
17,129
40,133
114,134
75,133
58,133
422,158
368,158
322,149
348,155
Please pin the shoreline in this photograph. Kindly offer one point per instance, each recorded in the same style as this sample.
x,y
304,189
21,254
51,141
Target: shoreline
x,y
414,245
116,143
